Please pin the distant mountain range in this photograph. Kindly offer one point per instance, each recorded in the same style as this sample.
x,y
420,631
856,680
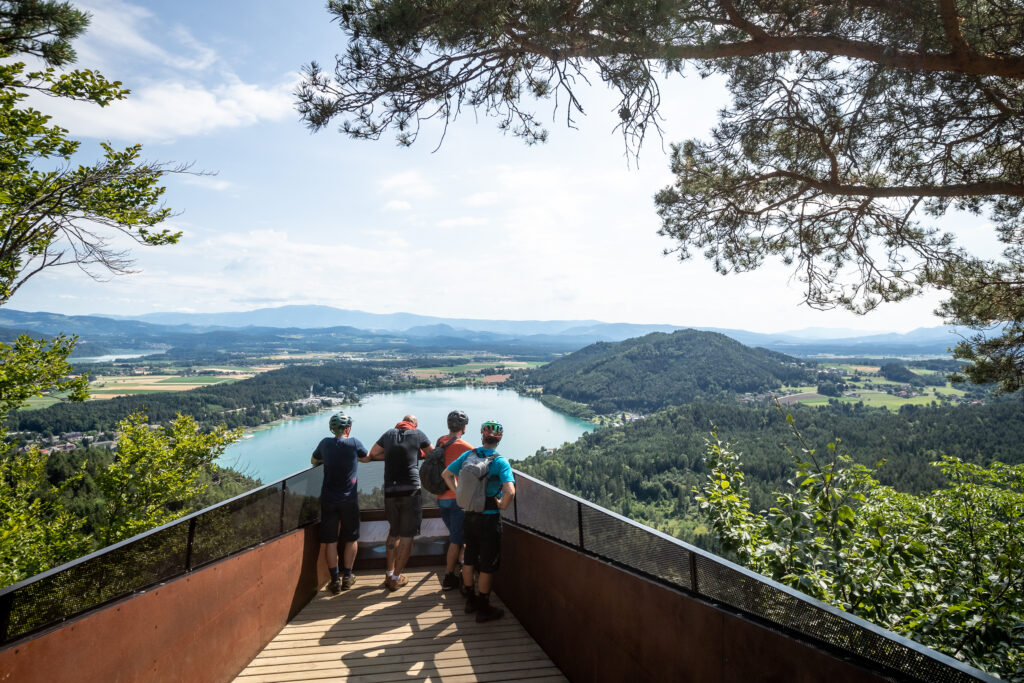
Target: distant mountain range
x,y
328,327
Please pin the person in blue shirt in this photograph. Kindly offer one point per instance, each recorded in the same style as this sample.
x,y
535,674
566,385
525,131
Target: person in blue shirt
x,y
482,530
339,498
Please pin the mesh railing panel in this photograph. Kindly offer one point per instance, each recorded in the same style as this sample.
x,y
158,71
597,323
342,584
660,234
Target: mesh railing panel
x,y
302,498
238,524
546,511
83,585
633,546
724,584
552,512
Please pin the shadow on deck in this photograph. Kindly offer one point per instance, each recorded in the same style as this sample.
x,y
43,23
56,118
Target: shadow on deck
x,y
416,633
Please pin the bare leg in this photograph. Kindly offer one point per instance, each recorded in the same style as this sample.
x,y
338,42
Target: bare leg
x,y
454,551
390,551
332,554
349,553
467,576
484,582
402,553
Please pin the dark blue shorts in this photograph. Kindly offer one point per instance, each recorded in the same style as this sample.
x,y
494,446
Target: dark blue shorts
x,y
452,516
344,514
483,541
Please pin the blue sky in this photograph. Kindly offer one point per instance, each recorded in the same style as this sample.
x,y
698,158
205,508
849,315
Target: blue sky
x,y
483,227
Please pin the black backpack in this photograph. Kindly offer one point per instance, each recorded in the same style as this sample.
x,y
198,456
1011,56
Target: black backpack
x,y
433,466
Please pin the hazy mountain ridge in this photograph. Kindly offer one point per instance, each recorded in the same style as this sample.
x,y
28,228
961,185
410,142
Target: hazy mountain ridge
x,y
348,326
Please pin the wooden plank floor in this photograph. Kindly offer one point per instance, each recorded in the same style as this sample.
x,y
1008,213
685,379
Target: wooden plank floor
x,y
419,632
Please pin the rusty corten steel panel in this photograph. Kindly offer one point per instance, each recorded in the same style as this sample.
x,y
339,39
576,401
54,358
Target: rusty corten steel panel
x,y
600,623
205,626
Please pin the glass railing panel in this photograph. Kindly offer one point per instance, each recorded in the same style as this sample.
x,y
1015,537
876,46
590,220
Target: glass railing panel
x,y
302,498
99,578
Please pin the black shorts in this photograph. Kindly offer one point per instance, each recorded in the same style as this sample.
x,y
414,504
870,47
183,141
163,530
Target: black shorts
x,y
344,513
483,541
404,514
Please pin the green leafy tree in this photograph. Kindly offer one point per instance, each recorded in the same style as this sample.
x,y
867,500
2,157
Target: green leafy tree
x,y
54,212
946,568
36,530
851,126
158,472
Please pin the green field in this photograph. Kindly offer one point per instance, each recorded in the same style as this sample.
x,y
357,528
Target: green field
x,y
192,379
37,402
124,391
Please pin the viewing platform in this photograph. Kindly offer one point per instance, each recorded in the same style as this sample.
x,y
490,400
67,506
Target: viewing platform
x,y
417,632
234,593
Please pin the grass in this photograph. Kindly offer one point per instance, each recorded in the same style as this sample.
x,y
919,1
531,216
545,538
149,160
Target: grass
x,y
38,402
205,379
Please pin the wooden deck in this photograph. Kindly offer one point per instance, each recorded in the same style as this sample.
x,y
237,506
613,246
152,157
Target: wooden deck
x,y
418,632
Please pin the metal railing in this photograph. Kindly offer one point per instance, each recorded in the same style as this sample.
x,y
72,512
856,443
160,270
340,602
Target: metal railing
x,y
262,514
598,532
159,555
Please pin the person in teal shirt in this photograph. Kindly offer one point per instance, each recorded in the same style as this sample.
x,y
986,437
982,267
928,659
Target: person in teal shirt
x,y
482,530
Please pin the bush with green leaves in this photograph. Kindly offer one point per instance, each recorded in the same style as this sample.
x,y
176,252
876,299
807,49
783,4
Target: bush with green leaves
x,y
945,568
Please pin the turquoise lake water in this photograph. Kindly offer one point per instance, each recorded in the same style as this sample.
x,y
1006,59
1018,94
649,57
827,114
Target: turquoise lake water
x,y
284,448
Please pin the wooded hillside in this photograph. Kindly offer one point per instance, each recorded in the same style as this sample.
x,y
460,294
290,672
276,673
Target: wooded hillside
x,y
658,370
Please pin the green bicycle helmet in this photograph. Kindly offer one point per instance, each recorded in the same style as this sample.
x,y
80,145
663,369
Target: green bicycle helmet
x,y
340,421
491,430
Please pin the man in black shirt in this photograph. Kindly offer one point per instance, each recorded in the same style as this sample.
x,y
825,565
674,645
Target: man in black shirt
x,y
339,498
401,448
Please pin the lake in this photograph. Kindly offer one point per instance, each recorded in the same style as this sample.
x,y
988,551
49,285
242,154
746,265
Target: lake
x,y
274,452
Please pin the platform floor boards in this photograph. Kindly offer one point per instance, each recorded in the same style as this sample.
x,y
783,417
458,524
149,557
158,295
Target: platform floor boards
x,y
418,632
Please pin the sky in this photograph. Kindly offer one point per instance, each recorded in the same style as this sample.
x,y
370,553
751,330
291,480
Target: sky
x,y
476,225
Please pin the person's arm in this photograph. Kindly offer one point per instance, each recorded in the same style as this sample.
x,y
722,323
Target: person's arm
x,y
376,453
362,455
316,459
450,480
508,492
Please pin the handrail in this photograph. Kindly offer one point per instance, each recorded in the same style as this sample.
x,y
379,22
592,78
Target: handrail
x,y
257,516
158,555
623,542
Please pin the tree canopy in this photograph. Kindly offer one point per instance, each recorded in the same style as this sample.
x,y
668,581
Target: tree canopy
x,y
852,126
54,211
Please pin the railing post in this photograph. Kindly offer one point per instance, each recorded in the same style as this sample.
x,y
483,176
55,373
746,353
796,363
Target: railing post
x,y
188,547
693,572
6,605
579,523
284,492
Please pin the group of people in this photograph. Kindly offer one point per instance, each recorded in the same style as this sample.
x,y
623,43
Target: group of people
x,y
475,536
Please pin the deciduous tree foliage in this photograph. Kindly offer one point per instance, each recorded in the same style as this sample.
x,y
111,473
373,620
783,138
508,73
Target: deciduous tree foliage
x,y
157,472
946,568
851,127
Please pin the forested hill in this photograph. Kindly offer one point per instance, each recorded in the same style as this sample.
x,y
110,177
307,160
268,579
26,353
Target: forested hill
x,y
658,370
246,403
649,467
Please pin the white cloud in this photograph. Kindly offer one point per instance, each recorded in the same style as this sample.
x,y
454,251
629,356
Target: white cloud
x,y
208,182
480,199
412,184
118,28
169,110
397,205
